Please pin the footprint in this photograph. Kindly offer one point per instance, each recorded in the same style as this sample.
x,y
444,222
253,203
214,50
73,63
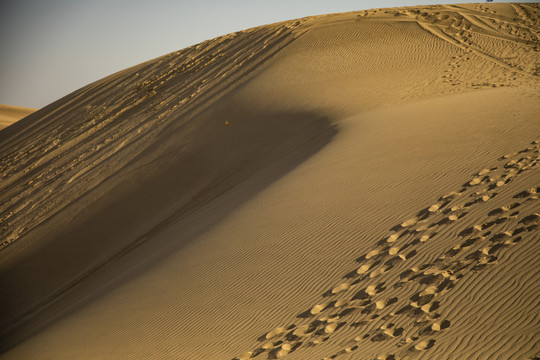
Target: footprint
x,y
362,295
305,329
349,310
440,325
474,256
418,300
476,181
383,269
381,304
453,252
245,356
471,230
426,237
498,211
386,357
451,195
485,171
283,350
514,241
502,236
409,255
363,269
340,288
430,307
330,328
368,309
366,267
393,261
469,242
372,253
318,341
275,332
317,309
380,337
392,238
531,219
409,222
532,192
373,290
342,352
424,345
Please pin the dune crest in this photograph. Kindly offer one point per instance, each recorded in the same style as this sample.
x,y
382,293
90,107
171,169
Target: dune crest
x,y
211,203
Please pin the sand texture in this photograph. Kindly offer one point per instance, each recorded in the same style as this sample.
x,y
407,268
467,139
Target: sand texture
x,y
9,114
349,186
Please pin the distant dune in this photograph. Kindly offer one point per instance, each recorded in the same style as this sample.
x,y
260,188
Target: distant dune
x,y
348,186
9,114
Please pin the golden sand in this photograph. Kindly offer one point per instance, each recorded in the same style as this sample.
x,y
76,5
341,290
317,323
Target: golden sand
x,y
348,186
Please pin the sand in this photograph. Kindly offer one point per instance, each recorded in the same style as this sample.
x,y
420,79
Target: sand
x,y
351,186
9,114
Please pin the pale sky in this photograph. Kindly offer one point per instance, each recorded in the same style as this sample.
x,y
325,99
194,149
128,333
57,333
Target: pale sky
x,y
49,48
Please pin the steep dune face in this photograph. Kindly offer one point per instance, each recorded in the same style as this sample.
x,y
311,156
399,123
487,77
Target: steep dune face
x,y
90,174
358,185
10,114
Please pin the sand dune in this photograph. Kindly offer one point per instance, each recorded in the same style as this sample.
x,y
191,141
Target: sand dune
x,y
9,114
352,186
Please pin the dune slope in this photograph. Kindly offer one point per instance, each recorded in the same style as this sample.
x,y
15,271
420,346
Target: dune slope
x,y
351,186
10,114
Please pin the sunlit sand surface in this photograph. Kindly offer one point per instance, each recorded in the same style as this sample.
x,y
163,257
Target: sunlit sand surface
x,y
348,186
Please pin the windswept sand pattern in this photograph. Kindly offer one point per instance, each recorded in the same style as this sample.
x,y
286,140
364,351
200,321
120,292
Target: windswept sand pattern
x,y
509,43
504,38
54,164
389,301
304,190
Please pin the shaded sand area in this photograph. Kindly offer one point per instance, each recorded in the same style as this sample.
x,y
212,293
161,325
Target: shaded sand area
x,y
350,186
9,114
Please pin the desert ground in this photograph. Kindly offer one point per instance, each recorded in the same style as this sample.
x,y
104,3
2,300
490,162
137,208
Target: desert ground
x,y
10,114
348,186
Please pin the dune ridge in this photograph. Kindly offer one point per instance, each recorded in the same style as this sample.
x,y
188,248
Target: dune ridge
x,y
102,130
371,135
74,153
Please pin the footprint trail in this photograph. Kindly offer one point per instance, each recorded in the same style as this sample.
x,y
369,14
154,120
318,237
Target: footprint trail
x,y
403,311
